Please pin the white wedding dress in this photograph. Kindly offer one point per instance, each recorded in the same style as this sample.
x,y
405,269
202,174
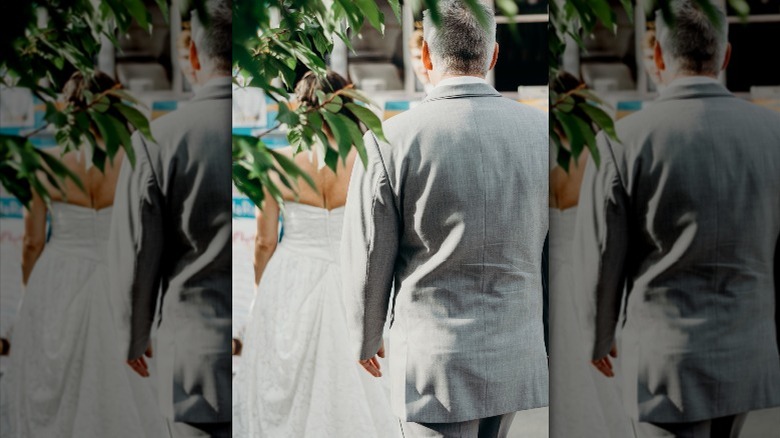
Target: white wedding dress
x,y
298,377
583,402
67,377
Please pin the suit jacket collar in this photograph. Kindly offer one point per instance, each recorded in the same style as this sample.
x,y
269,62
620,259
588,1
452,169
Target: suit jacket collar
x,y
217,88
683,90
460,91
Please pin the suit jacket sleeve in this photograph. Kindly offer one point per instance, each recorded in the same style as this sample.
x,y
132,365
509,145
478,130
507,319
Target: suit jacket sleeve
x,y
368,251
600,249
136,249
777,292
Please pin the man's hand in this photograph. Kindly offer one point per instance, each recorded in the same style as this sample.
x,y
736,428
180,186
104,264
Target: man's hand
x,y
139,364
372,365
604,365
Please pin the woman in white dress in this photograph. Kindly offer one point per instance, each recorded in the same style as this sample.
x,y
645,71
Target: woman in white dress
x,y
67,377
297,378
583,402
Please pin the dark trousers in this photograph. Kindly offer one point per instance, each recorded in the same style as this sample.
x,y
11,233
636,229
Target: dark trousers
x,y
490,427
199,430
723,427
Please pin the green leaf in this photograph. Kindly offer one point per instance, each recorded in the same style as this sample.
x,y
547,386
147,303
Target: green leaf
x,y
138,11
287,116
59,170
61,137
588,133
81,121
114,133
353,134
566,104
321,43
571,129
163,5
563,156
99,155
292,169
135,118
396,7
54,116
508,8
101,105
314,119
594,154
433,10
370,10
358,96
340,131
741,7
628,6
357,138
252,189
334,105
124,95
286,72
604,12
478,12
589,95
369,119
321,144
294,137
600,118
711,11
321,97
350,11
332,159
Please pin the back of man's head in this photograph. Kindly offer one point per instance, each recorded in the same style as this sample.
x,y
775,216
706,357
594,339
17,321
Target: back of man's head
x,y
212,34
459,44
694,43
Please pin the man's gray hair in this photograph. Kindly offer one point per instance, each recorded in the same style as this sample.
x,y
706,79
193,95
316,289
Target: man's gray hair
x,y
694,43
460,44
213,34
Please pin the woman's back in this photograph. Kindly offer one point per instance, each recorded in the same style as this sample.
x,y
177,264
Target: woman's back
x,y
98,186
331,187
65,351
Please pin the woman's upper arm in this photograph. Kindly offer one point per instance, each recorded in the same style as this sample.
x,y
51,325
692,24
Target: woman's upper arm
x,y
35,221
268,222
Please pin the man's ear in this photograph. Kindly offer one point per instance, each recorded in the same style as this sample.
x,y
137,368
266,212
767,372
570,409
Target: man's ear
x,y
194,61
726,58
426,57
495,58
658,57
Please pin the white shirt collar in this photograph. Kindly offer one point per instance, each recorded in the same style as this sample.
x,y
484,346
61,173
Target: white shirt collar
x,y
694,80
460,80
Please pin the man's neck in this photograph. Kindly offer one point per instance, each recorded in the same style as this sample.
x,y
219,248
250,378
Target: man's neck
x,y
685,75
214,75
451,76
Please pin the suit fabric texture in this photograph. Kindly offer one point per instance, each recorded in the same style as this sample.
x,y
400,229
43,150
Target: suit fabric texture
x,y
171,241
676,240
447,222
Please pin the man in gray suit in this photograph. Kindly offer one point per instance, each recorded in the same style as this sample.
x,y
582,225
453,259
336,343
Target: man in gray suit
x,y
679,227
171,240
448,219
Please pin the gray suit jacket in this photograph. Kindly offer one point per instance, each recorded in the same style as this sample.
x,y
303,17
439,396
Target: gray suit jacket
x,y
454,212
171,238
681,221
